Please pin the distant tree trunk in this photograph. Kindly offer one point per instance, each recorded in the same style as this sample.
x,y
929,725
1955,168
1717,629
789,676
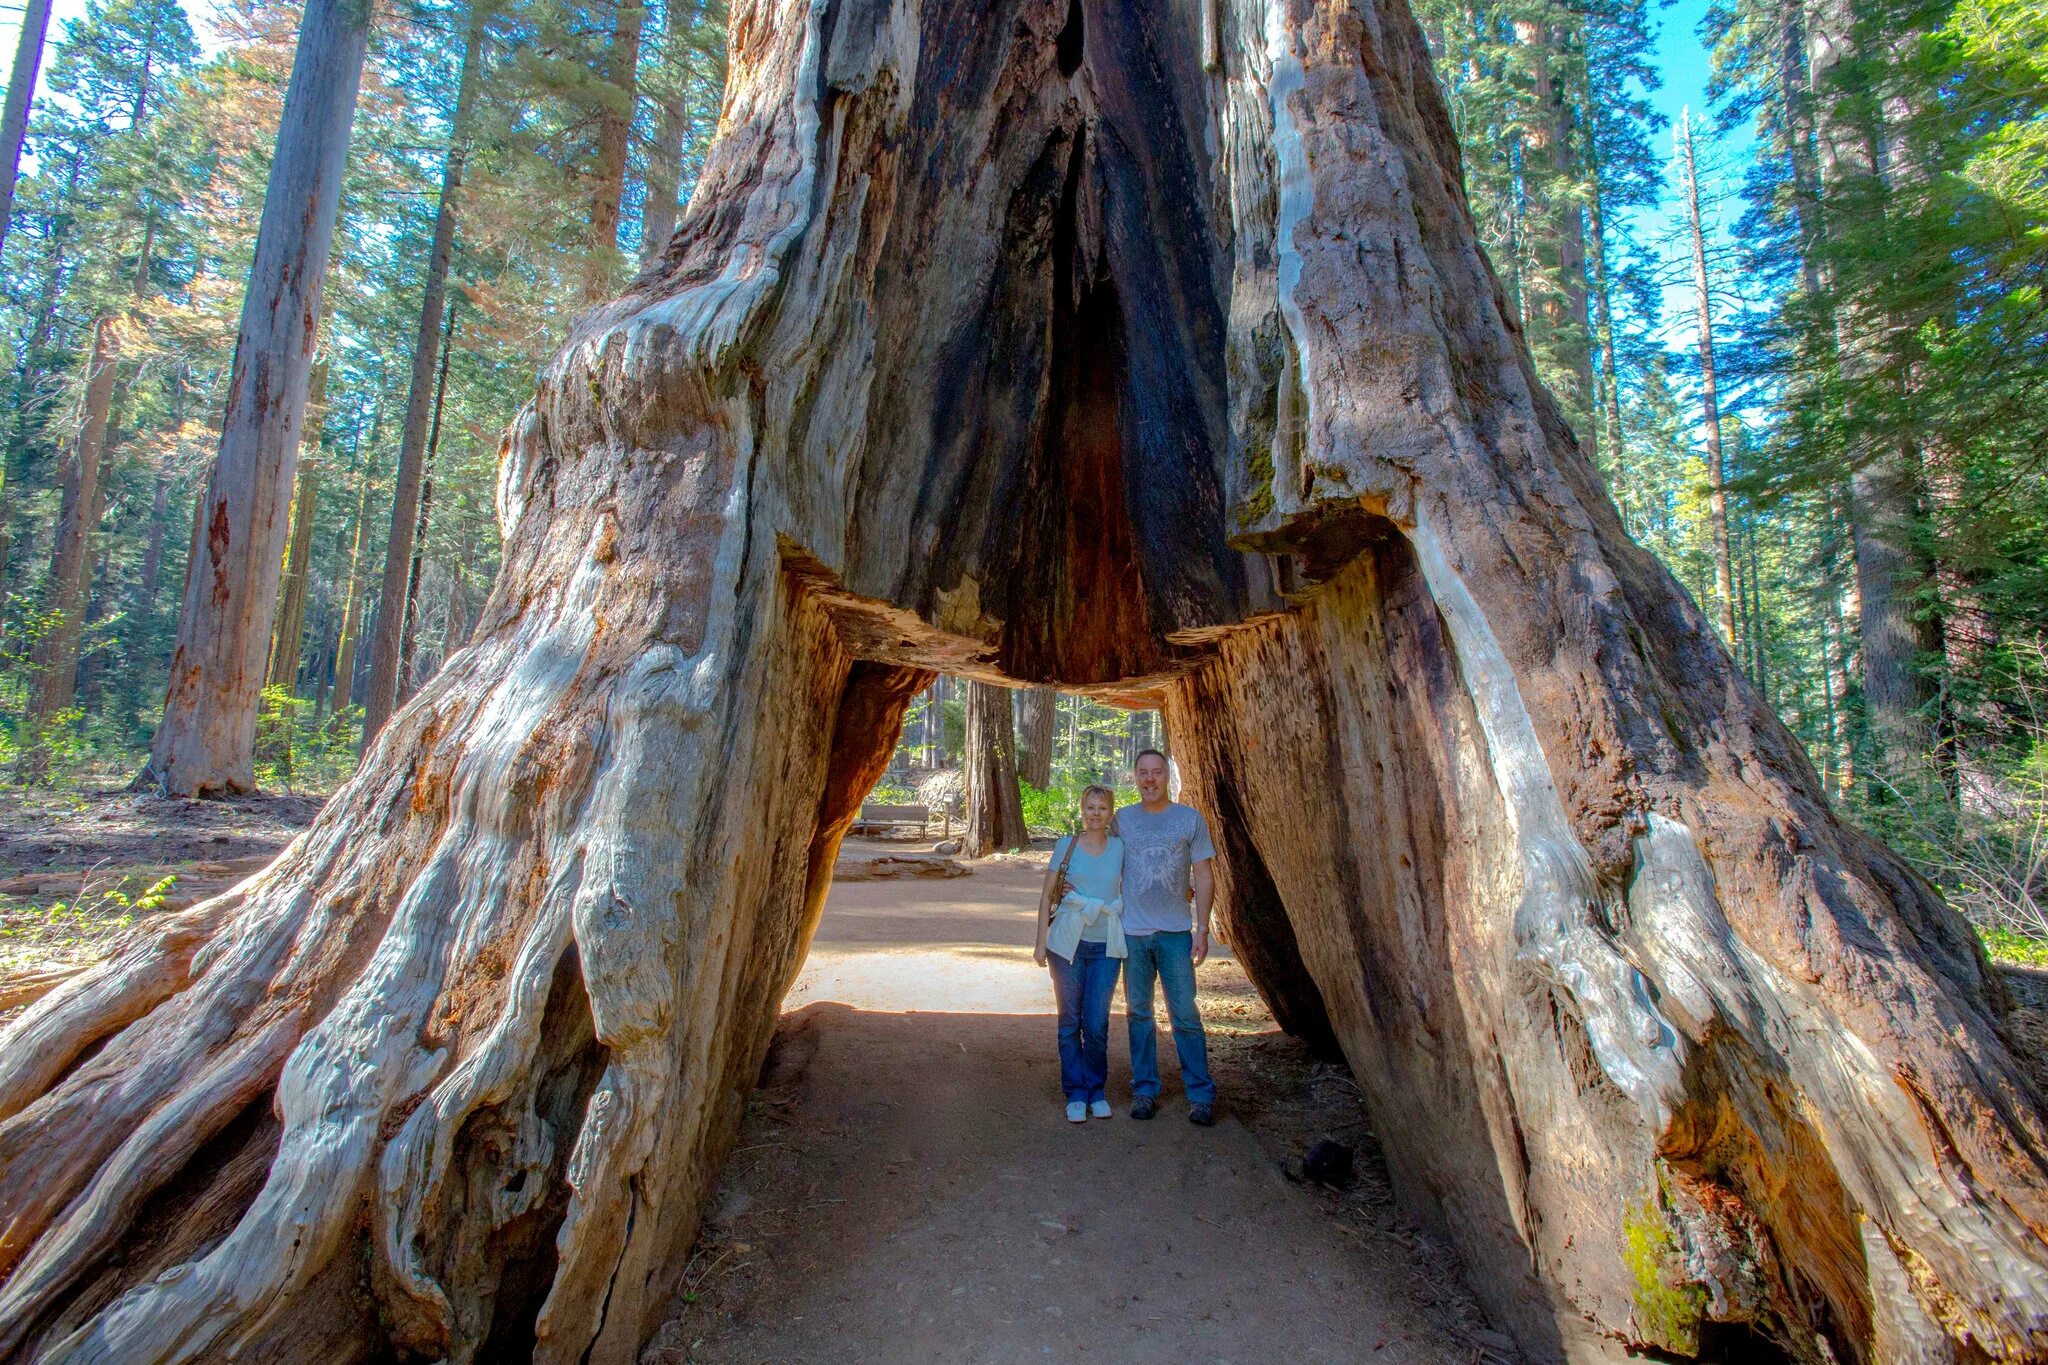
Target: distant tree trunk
x,y
1041,716
298,566
1796,117
408,681
614,131
665,164
410,645
1560,242
21,86
1884,501
291,611
1609,456
1710,406
149,577
206,742
388,640
352,605
995,808
56,655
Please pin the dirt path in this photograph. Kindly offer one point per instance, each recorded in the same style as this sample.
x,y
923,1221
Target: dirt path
x,y
907,1188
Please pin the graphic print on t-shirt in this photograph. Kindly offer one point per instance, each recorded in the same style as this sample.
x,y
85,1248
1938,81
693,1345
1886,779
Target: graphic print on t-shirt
x,y
1158,866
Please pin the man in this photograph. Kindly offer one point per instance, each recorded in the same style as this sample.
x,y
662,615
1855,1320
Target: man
x,y
1166,853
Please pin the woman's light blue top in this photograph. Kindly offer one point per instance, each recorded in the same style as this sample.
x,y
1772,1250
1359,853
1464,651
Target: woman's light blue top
x,y
1098,876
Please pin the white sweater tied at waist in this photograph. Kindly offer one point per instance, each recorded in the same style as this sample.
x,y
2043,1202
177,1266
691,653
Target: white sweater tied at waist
x,y
1076,913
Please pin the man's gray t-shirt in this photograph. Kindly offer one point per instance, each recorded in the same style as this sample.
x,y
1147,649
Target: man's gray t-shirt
x,y
1159,852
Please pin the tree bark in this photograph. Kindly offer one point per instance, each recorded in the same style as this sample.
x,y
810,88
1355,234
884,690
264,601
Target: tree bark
x,y
21,86
1884,487
352,607
408,640
1614,462
56,654
1041,715
435,334
206,741
1710,404
614,131
298,566
995,807
1560,248
1651,1036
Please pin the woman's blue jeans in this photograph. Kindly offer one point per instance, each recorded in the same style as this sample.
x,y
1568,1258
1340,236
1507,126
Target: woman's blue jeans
x,y
1083,988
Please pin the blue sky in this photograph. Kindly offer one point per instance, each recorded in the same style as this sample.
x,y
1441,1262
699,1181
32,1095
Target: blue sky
x,y
1681,61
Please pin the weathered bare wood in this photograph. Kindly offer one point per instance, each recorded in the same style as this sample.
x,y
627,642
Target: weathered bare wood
x,y
1019,345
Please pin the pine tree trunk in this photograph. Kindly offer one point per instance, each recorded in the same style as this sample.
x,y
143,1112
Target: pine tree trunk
x,y
56,654
664,176
665,158
614,132
298,566
149,577
21,85
352,607
995,807
432,341
1710,404
1041,714
1668,1052
291,612
206,741
1560,247
1616,445
1884,488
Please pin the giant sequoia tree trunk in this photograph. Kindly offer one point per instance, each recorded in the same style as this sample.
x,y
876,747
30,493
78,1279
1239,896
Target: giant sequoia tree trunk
x,y
1024,346
206,741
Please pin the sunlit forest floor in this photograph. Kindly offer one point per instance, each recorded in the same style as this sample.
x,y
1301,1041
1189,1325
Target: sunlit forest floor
x,y
79,868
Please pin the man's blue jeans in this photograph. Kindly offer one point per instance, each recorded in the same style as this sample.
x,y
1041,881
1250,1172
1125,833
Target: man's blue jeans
x,y
1084,988
1170,958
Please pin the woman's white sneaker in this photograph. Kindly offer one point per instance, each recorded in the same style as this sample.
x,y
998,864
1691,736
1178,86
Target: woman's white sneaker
x,y
1077,1112
1100,1109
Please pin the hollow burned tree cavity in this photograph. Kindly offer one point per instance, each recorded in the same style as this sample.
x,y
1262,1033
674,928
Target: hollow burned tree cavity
x,y
1025,343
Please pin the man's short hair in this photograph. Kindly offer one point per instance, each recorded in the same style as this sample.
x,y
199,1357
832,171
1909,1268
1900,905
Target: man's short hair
x,y
1143,754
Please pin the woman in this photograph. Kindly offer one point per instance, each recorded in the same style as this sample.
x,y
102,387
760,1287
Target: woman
x,y
1081,937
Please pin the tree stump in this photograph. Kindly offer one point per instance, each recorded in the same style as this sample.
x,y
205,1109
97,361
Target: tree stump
x,y
1024,341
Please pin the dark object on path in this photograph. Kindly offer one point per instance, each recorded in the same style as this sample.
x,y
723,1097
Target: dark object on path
x,y
1327,1162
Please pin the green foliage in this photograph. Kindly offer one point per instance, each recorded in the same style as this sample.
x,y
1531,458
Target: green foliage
x,y
297,750
140,200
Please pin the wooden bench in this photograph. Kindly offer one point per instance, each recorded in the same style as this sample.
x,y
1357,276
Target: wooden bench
x,y
876,818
